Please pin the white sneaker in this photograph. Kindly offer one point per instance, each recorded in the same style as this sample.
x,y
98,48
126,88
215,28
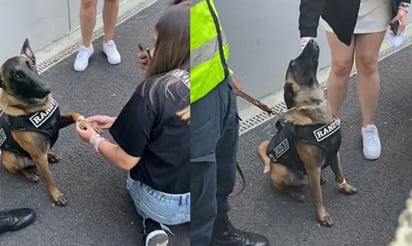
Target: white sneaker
x,y
82,58
157,238
113,56
371,142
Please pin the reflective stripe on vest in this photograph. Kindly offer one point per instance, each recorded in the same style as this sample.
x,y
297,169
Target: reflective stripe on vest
x,y
209,49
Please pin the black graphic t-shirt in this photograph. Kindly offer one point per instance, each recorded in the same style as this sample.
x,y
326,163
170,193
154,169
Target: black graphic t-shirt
x,y
148,128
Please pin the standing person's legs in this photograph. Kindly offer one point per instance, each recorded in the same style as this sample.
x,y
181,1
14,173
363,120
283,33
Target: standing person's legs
x,y
342,61
367,57
224,232
87,20
87,24
110,11
226,153
206,115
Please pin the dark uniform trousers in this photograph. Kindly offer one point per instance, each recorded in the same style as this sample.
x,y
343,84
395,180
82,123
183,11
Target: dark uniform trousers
x,y
214,138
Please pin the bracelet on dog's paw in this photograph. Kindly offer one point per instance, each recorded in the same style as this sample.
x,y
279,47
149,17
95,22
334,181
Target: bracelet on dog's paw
x,y
81,117
342,185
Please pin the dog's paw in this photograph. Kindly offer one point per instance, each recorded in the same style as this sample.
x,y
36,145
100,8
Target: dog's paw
x,y
61,200
322,180
348,189
326,221
297,196
53,157
32,177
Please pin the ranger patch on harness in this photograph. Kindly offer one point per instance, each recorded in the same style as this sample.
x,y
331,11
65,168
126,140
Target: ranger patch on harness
x,y
325,131
39,118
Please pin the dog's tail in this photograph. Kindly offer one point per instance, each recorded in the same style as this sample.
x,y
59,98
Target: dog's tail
x,y
263,156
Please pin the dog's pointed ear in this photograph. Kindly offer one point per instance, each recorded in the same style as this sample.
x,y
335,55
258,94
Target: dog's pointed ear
x,y
288,95
27,51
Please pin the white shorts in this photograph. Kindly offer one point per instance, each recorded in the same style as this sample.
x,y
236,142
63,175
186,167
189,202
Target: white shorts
x,y
373,16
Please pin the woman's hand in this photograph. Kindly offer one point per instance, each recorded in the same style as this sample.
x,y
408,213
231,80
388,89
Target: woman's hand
x,y
85,131
401,16
144,60
102,121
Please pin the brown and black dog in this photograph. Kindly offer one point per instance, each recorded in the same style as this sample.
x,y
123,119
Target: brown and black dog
x,y
30,121
308,140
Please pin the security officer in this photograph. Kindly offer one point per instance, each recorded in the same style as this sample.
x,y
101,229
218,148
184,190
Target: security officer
x,y
214,132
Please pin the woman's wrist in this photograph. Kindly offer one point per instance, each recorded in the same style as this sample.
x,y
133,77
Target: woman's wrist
x,y
404,6
95,140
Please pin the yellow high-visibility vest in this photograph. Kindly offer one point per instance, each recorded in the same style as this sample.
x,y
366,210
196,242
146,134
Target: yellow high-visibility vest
x,y
209,50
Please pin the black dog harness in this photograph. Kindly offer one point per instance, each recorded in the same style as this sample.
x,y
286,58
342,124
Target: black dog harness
x,y
45,122
281,148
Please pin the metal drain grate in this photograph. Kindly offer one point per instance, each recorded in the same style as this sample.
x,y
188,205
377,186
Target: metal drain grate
x,y
260,118
56,55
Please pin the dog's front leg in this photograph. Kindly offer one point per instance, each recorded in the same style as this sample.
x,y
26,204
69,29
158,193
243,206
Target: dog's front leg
x,y
313,175
313,159
37,145
43,167
68,119
343,185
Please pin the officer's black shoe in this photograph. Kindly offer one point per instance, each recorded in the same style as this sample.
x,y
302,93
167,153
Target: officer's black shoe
x,y
226,235
16,219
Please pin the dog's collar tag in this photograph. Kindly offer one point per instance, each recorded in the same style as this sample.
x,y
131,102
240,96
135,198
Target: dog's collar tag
x,y
40,118
327,130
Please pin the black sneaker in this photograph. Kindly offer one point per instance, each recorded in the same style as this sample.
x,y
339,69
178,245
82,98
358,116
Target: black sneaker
x,y
154,234
226,235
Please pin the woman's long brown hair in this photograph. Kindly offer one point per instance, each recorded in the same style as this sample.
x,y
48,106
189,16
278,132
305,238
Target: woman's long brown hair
x,y
172,47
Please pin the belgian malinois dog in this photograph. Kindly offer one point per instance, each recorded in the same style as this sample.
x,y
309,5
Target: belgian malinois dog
x,y
308,139
30,121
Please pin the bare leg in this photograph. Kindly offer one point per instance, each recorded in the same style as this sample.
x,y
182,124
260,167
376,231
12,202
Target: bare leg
x,y
342,62
87,20
367,56
110,11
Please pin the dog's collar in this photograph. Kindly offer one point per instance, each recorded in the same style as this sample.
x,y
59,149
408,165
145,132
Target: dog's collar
x,y
317,103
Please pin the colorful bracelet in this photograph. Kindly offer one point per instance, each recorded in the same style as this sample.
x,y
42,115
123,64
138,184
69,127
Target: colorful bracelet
x,y
404,9
95,140
404,4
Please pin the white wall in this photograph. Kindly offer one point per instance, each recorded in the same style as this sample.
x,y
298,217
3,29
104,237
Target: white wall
x,y
41,21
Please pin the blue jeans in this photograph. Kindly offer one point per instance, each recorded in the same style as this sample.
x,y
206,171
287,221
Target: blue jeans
x,y
168,209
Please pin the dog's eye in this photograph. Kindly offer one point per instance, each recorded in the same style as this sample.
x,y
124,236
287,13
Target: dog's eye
x,y
18,76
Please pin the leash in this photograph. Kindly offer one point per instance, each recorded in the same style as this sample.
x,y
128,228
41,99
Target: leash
x,y
263,107
255,102
242,176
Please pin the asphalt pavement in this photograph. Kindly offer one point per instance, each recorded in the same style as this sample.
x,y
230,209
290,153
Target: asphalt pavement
x,y
100,211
